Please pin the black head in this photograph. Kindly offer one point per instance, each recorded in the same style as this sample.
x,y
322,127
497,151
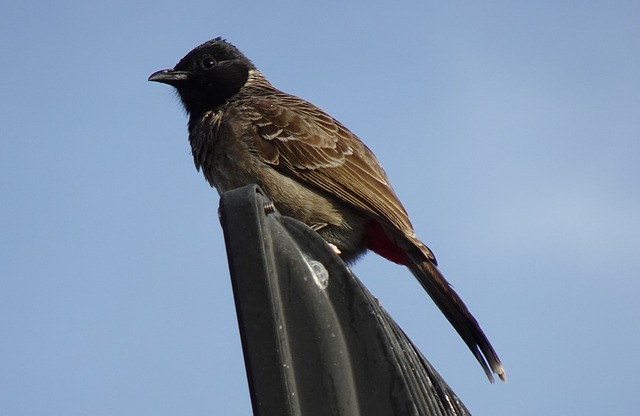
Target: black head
x,y
207,76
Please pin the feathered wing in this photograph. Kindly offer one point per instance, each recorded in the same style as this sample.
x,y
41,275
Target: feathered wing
x,y
303,142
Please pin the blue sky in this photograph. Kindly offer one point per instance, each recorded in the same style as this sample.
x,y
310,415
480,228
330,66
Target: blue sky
x,y
510,131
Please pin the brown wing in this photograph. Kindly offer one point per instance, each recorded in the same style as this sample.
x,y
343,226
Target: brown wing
x,y
304,142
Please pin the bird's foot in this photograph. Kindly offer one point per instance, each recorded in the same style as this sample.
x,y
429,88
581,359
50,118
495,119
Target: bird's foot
x,y
318,226
335,249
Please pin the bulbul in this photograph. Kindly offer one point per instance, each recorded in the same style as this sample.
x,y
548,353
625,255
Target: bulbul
x,y
242,131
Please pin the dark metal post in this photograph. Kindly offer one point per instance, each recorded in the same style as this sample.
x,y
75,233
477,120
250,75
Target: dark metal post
x,y
315,341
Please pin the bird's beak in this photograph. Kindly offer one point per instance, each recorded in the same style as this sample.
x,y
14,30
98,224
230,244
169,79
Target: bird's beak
x,y
169,76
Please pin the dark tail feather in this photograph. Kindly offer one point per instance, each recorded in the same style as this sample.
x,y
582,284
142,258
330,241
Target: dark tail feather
x,y
457,313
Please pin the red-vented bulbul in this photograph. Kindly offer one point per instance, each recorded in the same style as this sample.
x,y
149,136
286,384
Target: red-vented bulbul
x,y
242,130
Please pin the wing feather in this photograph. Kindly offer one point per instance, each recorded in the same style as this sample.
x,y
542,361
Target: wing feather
x,y
304,142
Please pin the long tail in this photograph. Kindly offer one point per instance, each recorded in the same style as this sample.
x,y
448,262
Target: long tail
x,y
457,313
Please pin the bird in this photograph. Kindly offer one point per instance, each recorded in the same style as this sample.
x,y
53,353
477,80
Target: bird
x,y
242,130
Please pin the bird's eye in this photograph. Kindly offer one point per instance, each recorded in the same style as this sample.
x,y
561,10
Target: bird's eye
x,y
208,62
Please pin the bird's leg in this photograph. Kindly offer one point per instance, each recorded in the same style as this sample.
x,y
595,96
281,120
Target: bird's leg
x,y
319,226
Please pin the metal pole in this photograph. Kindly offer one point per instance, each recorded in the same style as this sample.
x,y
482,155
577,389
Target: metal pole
x,y
315,341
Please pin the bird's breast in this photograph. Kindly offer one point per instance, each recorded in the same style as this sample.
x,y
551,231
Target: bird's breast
x,y
222,151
